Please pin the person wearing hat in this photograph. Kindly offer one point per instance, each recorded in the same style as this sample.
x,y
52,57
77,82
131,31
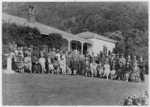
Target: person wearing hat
x,y
88,56
122,60
113,64
28,62
103,59
87,67
141,66
93,68
63,64
43,51
75,62
134,61
53,54
117,62
35,64
36,51
58,54
111,60
56,65
136,73
50,65
128,70
42,63
129,60
81,62
93,56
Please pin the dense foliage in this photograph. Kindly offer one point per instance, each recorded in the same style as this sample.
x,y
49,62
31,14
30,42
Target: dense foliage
x,y
22,35
136,99
53,40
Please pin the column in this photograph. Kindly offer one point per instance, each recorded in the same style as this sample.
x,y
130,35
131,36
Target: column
x,y
82,43
69,44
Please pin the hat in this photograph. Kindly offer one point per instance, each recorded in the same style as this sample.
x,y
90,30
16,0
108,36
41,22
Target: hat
x,y
128,63
42,54
86,58
56,58
112,54
53,49
141,56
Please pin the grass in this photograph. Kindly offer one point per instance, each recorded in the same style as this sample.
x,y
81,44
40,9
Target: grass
x,y
42,89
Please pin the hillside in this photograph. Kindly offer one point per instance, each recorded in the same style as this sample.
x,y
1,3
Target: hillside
x,y
56,14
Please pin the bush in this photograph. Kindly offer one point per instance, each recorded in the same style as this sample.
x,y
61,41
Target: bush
x,y
22,35
138,100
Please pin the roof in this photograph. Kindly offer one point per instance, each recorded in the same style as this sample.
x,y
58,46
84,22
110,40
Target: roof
x,y
88,35
44,29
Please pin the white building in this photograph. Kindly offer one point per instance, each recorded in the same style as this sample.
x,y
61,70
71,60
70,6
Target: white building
x,y
86,41
100,43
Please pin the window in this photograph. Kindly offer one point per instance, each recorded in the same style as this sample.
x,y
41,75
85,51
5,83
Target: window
x,y
104,49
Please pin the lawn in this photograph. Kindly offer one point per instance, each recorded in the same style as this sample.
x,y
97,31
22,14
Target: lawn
x,y
47,89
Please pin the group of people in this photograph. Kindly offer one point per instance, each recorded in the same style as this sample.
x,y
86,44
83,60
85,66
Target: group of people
x,y
54,61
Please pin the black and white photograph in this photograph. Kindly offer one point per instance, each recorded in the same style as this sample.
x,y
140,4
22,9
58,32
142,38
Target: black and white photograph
x,y
75,53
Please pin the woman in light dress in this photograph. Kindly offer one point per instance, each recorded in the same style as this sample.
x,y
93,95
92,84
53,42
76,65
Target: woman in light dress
x,y
62,65
93,67
28,63
106,69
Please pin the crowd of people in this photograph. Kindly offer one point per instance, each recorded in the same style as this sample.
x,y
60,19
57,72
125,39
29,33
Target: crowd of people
x,y
54,61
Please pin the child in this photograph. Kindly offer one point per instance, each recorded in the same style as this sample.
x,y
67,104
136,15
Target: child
x,y
68,70
42,63
87,67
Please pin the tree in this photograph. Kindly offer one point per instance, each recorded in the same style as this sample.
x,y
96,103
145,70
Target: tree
x,y
55,40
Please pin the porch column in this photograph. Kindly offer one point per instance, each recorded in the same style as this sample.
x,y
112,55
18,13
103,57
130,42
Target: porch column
x,y
82,43
69,40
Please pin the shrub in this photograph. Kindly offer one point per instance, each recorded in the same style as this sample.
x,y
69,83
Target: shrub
x,y
22,35
133,99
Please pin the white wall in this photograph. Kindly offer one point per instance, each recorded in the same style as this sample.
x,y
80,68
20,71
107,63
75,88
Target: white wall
x,y
98,45
90,48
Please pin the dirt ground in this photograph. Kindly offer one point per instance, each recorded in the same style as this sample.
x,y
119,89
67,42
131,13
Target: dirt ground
x,y
47,89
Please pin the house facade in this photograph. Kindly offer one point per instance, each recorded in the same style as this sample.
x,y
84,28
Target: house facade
x,y
86,41
100,43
